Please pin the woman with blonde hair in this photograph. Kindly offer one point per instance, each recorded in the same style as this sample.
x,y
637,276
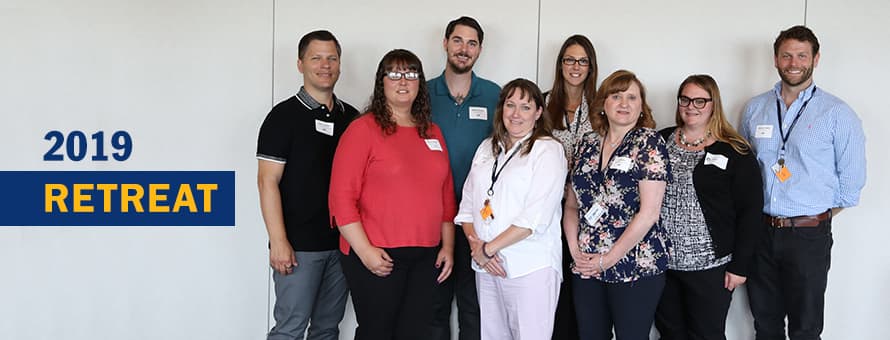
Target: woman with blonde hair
x,y
711,212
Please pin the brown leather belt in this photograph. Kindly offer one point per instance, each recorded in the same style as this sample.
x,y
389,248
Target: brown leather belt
x,y
797,221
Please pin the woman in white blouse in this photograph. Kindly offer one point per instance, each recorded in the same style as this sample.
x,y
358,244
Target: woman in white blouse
x,y
510,213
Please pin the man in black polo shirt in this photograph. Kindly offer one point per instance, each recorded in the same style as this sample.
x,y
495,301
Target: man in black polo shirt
x,y
295,151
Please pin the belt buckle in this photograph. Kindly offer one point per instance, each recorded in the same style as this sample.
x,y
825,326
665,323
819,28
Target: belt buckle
x,y
777,221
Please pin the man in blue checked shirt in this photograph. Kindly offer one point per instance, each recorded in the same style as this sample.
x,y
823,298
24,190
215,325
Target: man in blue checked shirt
x,y
811,150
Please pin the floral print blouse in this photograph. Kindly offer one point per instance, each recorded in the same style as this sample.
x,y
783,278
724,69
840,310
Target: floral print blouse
x,y
642,155
575,129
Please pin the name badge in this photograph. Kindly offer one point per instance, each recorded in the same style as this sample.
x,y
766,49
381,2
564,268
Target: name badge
x,y
782,173
763,131
324,127
478,113
594,214
433,144
717,160
621,164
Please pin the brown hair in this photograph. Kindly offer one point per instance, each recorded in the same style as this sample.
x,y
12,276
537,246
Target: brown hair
x,y
466,21
556,105
619,81
799,33
321,35
420,108
719,127
543,126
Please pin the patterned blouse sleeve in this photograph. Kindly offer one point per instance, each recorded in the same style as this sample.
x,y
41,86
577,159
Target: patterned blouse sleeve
x,y
652,158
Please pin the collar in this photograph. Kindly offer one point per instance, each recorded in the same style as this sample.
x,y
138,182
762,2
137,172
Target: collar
x,y
312,104
518,143
440,86
804,95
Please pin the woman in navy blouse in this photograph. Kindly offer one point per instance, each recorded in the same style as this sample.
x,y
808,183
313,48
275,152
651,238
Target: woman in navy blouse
x,y
611,216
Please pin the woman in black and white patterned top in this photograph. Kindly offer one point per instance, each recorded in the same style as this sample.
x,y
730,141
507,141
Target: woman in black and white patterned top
x,y
711,212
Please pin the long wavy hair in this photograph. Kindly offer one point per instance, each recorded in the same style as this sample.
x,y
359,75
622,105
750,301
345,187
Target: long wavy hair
x,y
720,128
420,108
619,81
558,97
543,126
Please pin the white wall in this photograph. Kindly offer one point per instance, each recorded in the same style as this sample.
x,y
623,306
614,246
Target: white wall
x,y
189,81
192,80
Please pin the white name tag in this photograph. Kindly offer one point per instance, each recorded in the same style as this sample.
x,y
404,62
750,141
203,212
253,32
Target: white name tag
x,y
764,131
433,144
717,160
324,127
478,112
621,163
594,214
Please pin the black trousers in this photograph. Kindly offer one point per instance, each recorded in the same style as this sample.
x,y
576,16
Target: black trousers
x,y
398,306
461,285
628,307
694,305
789,277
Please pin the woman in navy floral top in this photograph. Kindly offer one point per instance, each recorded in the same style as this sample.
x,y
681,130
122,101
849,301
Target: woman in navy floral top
x,y
611,216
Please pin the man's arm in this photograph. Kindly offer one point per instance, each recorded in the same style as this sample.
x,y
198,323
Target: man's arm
x,y
849,155
281,253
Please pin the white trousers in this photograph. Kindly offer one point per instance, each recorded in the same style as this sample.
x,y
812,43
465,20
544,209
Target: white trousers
x,y
520,308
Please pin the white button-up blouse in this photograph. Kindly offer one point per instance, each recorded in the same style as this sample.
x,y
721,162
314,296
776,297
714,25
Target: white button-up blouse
x,y
528,194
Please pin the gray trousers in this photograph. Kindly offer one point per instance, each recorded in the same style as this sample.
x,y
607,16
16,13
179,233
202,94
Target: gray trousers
x,y
314,295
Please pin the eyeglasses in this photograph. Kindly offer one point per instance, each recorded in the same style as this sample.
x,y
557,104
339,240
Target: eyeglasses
x,y
698,103
392,75
569,61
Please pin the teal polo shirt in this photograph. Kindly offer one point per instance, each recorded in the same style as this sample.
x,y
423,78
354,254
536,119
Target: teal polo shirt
x,y
462,130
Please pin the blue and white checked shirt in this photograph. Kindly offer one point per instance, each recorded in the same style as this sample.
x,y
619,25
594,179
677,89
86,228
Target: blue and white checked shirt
x,y
825,151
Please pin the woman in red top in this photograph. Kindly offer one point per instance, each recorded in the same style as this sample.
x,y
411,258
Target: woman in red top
x,y
393,200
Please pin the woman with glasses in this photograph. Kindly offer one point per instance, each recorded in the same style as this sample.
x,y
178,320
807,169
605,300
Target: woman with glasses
x,y
611,215
568,103
510,213
574,87
711,211
392,198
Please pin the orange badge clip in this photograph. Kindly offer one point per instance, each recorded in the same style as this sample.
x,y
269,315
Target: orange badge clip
x,y
783,174
486,211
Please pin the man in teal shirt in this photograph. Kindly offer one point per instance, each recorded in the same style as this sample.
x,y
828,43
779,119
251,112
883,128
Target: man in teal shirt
x,y
463,107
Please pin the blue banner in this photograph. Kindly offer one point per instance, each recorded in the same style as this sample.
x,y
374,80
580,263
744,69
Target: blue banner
x,y
117,198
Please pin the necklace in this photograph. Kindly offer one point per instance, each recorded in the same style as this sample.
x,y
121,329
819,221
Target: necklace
x,y
611,144
694,143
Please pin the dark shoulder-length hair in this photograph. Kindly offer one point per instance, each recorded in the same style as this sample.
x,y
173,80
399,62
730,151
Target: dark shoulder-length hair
x,y
720,128
557,102
420,109
543,126
619,81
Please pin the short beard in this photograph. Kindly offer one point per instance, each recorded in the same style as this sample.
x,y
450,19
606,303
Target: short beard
x,y
805,76
457,69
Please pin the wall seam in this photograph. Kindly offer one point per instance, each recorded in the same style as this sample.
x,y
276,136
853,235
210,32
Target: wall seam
x,y
272,90
538,48
806,7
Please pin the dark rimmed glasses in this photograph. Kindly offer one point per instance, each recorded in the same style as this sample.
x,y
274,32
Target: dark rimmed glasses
x,y
569,61
698,103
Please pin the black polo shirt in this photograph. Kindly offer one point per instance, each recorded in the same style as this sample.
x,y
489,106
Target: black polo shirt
x,y
298,133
